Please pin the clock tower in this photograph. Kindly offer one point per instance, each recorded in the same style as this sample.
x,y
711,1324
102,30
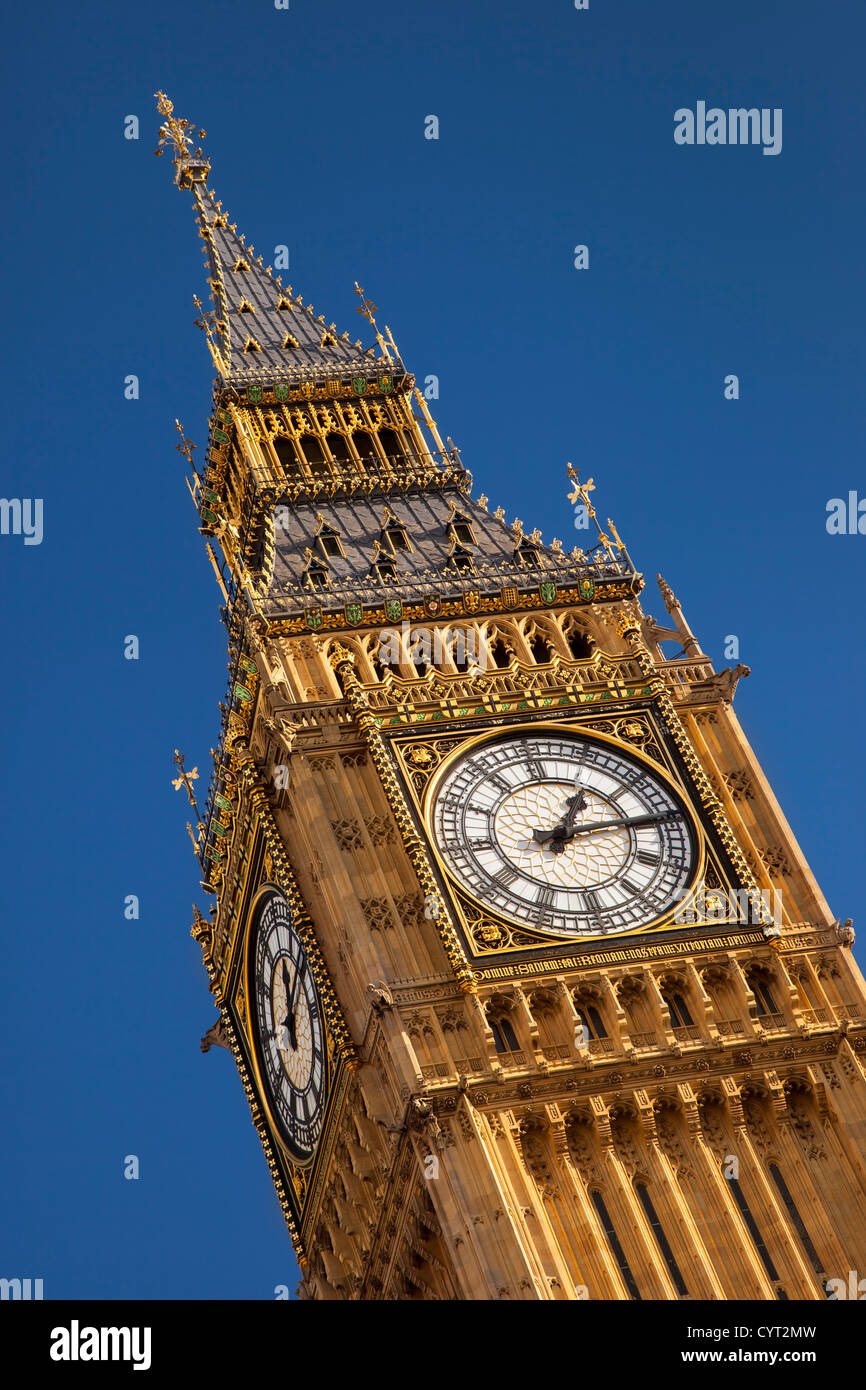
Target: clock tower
x,y
530,988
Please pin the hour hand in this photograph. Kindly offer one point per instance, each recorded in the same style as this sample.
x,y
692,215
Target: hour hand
x,y
289,1020
541,837
563,831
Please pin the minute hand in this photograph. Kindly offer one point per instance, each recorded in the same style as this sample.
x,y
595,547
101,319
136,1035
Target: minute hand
x,y
629,820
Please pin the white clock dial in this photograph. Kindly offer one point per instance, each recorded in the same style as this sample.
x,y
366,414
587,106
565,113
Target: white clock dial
x,y
563,833
287,1021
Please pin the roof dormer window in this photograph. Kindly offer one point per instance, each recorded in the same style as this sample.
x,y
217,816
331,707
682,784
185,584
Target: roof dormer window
x,y
460,559
397,537
460,528
316,575
527,555
329,540
331,547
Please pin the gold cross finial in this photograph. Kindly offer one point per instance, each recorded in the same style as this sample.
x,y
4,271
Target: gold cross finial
x,y
185,779
206,320
581,490
366,307
185,446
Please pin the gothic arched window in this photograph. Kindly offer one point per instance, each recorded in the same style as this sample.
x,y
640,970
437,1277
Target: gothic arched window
x,y
646,1202
796,1220
540,649
504,1036
592,1021
764,1001
679,1009
613,1241
752,1228
579,645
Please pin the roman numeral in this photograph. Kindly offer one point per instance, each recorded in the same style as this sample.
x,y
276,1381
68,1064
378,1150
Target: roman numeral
x,y
505,876
544,899
536,769
480,844
632,888
648,856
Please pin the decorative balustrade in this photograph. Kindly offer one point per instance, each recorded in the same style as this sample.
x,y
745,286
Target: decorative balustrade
x,y
771,1023
497,683
642,1042
689,1033
815,1016
852,1012
686,672
730,1027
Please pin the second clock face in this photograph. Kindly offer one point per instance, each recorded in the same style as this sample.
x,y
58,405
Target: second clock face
x,y
288,1026
563,834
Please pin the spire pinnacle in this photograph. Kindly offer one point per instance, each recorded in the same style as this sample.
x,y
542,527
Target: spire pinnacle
x,y
262,338
191,165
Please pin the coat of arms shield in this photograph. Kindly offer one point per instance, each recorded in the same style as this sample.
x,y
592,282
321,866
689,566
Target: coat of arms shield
x,y
393,609
359,385
354,614
509,597
313,616
433,605
547,589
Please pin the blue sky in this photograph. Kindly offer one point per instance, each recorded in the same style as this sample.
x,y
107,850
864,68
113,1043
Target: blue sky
x,y
556,129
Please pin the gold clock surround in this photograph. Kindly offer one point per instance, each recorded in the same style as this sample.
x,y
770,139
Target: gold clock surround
x,y
502,933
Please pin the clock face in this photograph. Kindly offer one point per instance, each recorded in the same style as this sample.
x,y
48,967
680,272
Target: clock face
x,y
563,834
287,1025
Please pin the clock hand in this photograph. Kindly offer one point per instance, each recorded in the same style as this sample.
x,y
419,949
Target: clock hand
x,y
563,827
559,837
592,826
289,1020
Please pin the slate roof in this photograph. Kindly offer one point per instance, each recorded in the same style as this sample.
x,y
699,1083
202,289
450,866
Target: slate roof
x,y
424,569
251,307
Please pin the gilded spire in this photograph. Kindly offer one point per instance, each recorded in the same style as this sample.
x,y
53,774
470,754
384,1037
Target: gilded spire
x,y
260,333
